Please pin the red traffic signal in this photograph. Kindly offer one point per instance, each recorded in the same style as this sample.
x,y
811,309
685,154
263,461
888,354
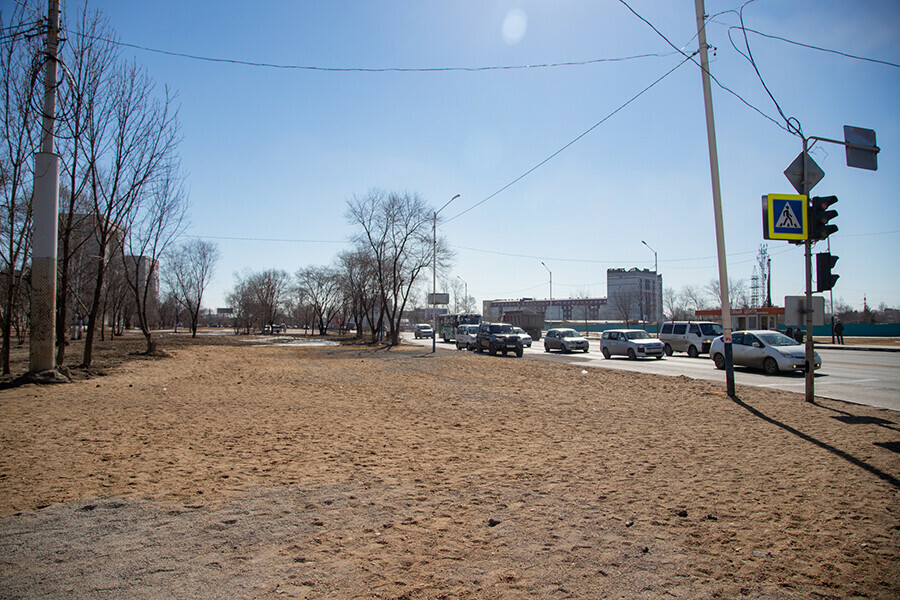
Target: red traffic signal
x,y
819,217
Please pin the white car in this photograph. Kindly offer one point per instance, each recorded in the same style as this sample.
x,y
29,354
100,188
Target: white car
x,y
770,351
423,330
526,339
631,343
465,337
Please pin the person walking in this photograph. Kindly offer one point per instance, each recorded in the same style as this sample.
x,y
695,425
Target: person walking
x,y
839,332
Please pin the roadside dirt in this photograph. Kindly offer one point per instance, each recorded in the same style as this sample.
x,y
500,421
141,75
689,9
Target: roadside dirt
x,y
232,470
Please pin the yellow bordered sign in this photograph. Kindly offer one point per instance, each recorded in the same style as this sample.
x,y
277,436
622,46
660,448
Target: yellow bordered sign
x,y
785,217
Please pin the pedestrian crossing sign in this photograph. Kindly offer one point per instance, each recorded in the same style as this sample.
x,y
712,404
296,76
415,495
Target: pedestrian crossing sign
x,y
785,217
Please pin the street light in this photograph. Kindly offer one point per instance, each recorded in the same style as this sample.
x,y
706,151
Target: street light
x,y
551,287
655,281
434,275
466,297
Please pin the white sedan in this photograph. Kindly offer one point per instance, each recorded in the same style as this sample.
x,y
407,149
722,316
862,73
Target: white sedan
x,y
763,349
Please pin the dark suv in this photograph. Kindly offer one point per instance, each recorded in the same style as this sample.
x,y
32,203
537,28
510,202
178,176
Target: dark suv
x,y
498,336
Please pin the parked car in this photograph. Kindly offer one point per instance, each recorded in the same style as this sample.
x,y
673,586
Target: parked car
x,y
526,339
567,340
495,337
465,336
423,330
770,351
631,343
693,337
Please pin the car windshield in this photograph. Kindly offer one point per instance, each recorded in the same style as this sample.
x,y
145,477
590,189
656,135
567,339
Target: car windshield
x,y
472,329
773,338
569,333
519,330
711,329
638,334
501,329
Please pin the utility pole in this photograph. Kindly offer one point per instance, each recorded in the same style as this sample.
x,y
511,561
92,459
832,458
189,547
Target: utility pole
x,y
717,196
45,215
808,315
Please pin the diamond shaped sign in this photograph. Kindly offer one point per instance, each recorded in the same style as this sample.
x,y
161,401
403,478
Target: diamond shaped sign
x,y
794,173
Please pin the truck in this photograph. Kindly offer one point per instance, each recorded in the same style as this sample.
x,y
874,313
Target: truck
x,y
529,320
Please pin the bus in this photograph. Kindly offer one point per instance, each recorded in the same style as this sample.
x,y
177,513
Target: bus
x,y
447,324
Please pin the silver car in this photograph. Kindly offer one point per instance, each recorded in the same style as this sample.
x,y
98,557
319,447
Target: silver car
x,y
567,340
526,339
631,343
770,351
465,337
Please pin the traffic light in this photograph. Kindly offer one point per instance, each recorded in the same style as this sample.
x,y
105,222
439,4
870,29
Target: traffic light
x,y
825,279
819,215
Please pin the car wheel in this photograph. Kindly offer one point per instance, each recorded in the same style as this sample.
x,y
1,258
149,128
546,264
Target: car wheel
x,y
719,360
519,352
659,357
478,349
668,350
770,366
585,350
469,347
693,352
631,354
605,352
492,351
546,348
504,351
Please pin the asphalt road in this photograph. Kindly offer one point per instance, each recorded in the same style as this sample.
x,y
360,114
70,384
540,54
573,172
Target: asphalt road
x,y
859,376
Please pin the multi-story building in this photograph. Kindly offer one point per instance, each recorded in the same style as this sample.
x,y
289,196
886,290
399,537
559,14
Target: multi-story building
x,y
635,294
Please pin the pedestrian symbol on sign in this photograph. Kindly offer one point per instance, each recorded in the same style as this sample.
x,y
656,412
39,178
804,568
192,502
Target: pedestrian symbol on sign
x,y
788,220
785,217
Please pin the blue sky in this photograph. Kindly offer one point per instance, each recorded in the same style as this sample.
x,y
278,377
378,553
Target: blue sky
x,y
273,155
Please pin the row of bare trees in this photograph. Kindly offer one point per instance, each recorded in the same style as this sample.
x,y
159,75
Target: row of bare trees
x,y
369,284
122,202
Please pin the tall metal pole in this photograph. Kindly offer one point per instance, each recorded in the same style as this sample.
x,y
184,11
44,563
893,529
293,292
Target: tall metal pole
x,y
808,314
46,215
434,276
551,287
717,197
656,305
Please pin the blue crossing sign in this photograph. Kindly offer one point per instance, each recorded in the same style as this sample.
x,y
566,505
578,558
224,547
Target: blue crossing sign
x,y
785,217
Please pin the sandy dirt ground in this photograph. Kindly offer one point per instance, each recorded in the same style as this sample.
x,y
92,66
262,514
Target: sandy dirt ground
x,y
236,470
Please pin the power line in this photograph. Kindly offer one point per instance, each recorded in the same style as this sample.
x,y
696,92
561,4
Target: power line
x,y
268,65
713,77
555,154
811,47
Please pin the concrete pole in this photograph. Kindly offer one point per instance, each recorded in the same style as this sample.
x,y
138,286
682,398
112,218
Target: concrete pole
x,y
45,209
717,195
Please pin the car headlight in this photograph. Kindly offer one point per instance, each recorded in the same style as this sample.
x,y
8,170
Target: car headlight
x,y
785,354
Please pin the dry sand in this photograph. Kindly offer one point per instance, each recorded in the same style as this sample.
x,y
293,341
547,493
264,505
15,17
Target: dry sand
x,y
237,471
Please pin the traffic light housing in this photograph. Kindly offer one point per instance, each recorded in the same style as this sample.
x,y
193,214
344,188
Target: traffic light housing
x,y
819,217
825,279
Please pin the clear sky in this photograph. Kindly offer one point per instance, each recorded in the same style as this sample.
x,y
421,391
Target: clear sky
x,y
272,155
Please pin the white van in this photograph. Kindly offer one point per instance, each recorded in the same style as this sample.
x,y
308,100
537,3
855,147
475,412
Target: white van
x,y
693,337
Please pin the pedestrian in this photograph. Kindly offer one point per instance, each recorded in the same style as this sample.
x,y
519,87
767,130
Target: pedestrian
x,y
839,332
789,332
798,335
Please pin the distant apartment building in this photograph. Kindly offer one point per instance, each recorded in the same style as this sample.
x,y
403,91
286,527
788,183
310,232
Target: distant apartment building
x,y
632,295
635,294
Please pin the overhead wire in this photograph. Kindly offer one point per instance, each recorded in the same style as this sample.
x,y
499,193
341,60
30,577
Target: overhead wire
x,y
713,77
584,133
248,63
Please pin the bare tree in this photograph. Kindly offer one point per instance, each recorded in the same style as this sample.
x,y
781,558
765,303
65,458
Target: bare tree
x,y
358,272
396,230
693,298
151,230
623,302
191,268
20,125
738,293
267,290
322,288
88,59
130,139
